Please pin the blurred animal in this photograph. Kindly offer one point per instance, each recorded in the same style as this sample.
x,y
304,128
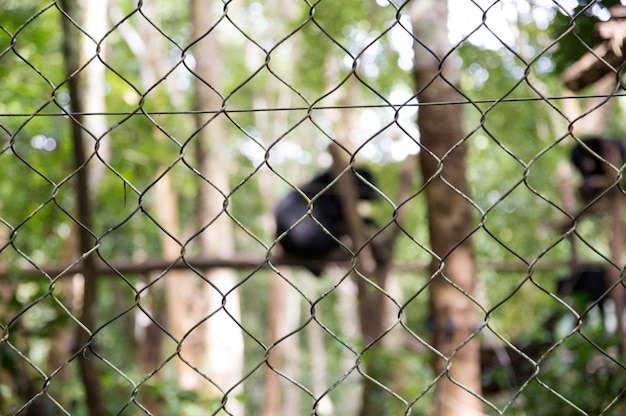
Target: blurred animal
x,y
317,233
588,285
593,162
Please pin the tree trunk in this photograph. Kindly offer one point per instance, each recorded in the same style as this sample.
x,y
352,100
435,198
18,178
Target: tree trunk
x,y
180,284
614,276
92,86
371,271
222,344
450,217
271,402
84,340
373,260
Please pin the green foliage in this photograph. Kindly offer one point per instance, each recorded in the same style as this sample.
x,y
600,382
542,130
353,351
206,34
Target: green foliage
x,y
510,141
404,373
580,372
577,32
337,36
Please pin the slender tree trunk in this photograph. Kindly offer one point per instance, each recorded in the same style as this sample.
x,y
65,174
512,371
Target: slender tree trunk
x,y
370,274
373,263
92,85
615,206
351,398
319,364
149,49
271,403
223,339
281,396
614,275
450,217
87,362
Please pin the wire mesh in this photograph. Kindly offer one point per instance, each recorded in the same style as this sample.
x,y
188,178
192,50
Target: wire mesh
x,y
146,145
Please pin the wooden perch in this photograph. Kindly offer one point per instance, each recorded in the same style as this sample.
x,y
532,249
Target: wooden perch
x,y
593,66
125,267
605,58
238,261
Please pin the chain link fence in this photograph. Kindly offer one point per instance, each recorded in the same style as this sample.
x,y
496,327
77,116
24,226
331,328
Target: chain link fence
x,y
147,148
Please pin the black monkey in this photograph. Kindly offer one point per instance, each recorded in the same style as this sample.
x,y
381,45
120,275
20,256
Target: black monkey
x,y
597,175
308,238
589,283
